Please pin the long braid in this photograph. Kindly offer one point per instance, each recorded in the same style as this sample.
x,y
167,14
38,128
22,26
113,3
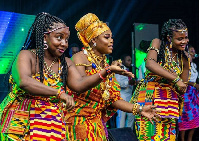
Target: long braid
x,y
35,40
167,30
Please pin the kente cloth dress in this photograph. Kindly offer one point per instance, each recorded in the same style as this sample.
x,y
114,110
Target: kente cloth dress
x,y
156,90
32,118
190,114
87,121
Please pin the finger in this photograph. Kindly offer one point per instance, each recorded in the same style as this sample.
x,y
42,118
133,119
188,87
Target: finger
x,y
155,119
153,106
151,120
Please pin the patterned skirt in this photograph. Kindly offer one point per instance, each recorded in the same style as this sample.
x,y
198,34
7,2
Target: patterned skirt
x,y
190,114
163,130
31,120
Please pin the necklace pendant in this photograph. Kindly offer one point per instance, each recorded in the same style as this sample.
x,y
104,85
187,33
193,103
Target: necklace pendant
x,y
94,66
106,95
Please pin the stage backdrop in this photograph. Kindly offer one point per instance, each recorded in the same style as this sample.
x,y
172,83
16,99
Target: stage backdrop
x,y
13,31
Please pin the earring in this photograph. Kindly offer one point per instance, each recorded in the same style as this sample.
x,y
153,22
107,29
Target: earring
x,y
95,44
45,45
170,44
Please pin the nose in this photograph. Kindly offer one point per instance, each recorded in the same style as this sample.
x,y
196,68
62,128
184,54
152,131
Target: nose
x,y
64,43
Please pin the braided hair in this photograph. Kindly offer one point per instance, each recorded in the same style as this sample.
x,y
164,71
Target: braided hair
x,y
35,40
167,30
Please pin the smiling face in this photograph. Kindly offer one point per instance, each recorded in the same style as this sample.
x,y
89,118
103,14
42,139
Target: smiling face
x,y
57,40
180,40
104,43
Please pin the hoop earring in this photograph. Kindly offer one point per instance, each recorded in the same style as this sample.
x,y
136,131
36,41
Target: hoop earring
x,y
45,45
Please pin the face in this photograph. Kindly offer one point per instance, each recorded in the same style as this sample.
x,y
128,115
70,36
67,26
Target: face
x,y
180,40
127,61
104,43
74,50
192,52
57,40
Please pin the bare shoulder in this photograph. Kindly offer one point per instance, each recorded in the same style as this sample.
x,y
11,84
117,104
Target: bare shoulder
x,y
156,43
26,54
79,57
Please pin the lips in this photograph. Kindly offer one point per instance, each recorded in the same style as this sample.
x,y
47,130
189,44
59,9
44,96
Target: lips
x,y
61,50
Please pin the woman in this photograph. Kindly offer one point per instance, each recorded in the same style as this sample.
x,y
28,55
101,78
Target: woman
x,y
165,81
94,107
190,115
33,110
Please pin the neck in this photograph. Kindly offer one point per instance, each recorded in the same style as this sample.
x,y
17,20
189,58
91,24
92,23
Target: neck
x,y
49,56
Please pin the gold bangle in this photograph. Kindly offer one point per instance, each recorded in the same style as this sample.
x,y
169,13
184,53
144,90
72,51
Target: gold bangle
x,y
135,107
153,48
194,84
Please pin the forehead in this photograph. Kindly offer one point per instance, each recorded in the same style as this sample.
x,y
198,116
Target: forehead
x,y
180,34
127,57
107,32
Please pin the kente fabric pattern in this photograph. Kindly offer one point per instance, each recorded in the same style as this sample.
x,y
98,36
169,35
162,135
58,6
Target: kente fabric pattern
x,y
190,114
155,90
89,27
28,117
85,122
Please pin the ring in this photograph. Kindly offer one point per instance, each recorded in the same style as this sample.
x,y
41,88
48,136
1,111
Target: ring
x,y
119,60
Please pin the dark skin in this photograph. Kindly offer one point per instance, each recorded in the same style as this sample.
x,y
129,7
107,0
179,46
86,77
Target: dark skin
x,y
179,42
24,67
104,45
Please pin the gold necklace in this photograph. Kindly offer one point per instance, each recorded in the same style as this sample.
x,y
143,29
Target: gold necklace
x,y
48,68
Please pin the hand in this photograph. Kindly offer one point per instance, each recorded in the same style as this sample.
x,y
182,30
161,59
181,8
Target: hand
x,y
115,67
181,87
132,82
150,112
68,101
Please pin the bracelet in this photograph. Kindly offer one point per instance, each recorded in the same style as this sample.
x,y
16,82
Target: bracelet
x,y
140,109
107,68
135,107
153,48
60,91
145,59
176,80
194,84
103,78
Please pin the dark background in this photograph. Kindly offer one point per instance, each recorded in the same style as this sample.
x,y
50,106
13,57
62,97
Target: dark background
x,y
120,14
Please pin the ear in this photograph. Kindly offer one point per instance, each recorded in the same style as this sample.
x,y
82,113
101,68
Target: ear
x,y
45,37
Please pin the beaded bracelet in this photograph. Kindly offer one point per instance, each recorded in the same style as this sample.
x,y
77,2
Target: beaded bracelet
x,y
107,68
60,91
153,48
140,109
176,79
145,59
135,107
194,84
103,78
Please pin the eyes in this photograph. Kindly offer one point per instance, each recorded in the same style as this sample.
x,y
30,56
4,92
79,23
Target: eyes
x,y
61,37
181,38
107,36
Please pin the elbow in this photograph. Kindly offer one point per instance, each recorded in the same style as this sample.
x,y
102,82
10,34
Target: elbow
x,y
22,83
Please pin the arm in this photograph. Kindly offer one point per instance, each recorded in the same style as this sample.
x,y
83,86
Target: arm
x,y
153,66
148,111
78,80
22,74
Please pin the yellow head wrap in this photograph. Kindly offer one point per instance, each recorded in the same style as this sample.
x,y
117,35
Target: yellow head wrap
x,y
89,27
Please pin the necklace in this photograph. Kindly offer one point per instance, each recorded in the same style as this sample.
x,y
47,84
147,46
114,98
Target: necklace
x,y
48,68
95,62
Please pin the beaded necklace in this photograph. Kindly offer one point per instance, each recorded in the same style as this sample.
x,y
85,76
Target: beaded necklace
x,y
95,62
49,74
